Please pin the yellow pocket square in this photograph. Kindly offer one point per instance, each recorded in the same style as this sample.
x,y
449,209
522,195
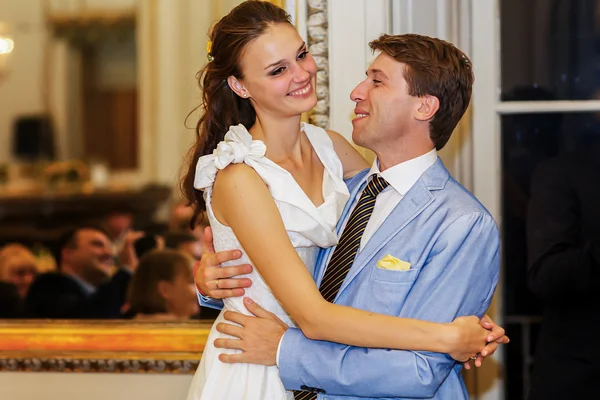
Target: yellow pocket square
x,y
393,264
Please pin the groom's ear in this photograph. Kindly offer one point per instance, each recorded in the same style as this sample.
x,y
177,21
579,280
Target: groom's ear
x,y
237,87
428,106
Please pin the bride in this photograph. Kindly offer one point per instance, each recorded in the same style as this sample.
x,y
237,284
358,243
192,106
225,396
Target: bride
x,y
255,162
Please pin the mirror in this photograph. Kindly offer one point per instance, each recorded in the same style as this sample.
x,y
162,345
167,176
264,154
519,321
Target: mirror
x,y
94,132
86,134
72,130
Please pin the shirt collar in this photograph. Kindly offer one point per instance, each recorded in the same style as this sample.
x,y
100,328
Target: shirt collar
x,y
404,175
88,288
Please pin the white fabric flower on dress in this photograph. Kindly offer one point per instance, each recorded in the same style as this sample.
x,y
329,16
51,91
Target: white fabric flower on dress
x,y
235,148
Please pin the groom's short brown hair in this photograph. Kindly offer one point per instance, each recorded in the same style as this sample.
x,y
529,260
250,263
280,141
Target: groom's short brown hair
x,y
437,68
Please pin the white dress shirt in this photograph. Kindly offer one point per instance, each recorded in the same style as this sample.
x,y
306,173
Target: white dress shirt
x,y
401,178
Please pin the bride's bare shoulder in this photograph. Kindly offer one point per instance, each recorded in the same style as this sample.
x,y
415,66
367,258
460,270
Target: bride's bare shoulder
x,y
237,177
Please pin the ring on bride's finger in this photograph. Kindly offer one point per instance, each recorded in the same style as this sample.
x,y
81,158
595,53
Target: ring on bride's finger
x,y
474,357
217,284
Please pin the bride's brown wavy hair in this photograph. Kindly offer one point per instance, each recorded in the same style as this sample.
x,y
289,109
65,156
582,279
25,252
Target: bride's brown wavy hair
x,y
220,106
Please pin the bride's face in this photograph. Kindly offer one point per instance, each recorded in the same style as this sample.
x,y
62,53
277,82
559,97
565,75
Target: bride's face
x,y
279,73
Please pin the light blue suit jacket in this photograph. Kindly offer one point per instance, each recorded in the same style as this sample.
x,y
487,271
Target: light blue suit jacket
x,y
452,242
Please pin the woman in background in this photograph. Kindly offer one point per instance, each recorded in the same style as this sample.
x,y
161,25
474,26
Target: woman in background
x,y
18,266
162,287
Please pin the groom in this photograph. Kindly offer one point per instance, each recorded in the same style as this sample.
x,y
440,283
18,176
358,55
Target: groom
x,y
441,245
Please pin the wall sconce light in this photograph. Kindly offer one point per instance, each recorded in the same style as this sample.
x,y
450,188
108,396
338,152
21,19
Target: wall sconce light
x,y
7,46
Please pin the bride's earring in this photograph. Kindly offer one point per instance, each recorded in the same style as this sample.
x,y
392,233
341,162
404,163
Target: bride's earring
x,y
245,95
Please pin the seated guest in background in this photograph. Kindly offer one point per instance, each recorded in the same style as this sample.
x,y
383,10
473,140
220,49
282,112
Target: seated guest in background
x,y
201,224
162,287
185,242
19,266
189,244
10,302
85,261
180,218
147,243
117,224
111,296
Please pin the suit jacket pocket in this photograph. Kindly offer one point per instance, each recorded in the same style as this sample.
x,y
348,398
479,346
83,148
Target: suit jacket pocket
x,y
388,290
393,276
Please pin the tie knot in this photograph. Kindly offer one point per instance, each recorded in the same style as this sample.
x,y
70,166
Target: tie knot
x,y
376,185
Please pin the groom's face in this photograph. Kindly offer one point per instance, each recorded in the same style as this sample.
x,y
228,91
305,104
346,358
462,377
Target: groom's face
x,y
384,109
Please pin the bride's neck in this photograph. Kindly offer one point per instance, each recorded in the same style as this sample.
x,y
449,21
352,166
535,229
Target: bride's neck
x,y
281,136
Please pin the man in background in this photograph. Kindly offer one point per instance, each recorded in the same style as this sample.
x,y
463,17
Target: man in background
x,y
85,261
185,242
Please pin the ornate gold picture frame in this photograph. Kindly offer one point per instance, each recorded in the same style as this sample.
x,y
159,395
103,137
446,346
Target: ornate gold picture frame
x,y
102,346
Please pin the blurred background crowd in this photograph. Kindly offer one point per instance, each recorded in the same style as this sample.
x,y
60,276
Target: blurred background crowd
x,y
109,269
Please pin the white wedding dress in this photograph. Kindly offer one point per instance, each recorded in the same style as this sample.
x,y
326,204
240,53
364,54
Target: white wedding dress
x,y
309,227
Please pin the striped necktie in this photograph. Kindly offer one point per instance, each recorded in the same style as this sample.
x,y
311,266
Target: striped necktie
x,y
345,252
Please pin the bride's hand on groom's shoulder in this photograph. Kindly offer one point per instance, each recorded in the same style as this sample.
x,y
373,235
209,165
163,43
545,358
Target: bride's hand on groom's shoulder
x,y
215,281
256,336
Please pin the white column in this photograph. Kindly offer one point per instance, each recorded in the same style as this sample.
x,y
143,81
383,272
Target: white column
x,y
298,11
59,99
486,153
172,38
168,64
448,20
486,142
145,36
352,24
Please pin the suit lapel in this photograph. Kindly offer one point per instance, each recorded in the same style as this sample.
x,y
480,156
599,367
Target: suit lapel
x,y
412,204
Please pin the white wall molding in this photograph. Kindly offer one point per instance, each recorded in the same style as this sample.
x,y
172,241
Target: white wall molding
x,y
530,107
92,386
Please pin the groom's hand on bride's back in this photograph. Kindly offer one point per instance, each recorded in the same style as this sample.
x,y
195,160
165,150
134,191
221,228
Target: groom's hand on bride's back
x,y
257,337
215,281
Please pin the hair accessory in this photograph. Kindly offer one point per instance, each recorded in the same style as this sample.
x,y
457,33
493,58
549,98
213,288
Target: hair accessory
x,y
209,50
